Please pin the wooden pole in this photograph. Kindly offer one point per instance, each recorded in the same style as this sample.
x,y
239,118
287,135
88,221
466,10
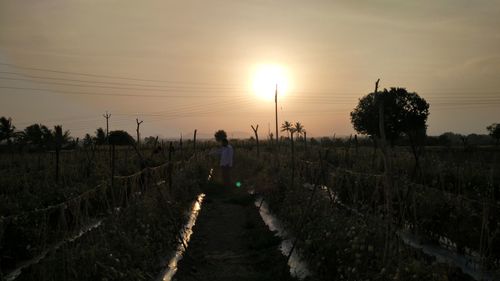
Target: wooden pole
x,y
255,129
138,134
107,116
170,165
194,142
276,113
113,175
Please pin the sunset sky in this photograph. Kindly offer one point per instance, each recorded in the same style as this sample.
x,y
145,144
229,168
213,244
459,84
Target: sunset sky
x,y
185,65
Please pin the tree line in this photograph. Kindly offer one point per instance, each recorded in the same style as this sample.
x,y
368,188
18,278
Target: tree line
x,y
39,137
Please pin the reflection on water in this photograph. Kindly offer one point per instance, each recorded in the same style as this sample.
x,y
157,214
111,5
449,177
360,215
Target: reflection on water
x,y
298,268
185,235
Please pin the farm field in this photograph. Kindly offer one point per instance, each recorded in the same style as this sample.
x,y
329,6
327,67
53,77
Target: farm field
x,y
331,197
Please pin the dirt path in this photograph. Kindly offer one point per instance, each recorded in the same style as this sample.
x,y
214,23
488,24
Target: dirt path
x,y
231,242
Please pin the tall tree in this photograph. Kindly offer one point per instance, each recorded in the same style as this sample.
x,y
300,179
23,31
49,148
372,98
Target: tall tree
x,y
100,136
494,131
120,137
7,130
33,135
299,129
286,127
87,140
47,137
59,138
404,113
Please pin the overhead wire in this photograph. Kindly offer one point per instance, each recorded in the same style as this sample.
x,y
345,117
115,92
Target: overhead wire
x,y
192,112
105,82
442,100
164,89
70,92
105,76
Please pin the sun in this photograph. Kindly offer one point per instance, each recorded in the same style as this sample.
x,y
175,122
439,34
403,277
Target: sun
x,y
265,79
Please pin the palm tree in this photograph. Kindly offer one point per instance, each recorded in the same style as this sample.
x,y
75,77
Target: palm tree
x,y
299,129
33,135
59,138
286,126
47,137
7,130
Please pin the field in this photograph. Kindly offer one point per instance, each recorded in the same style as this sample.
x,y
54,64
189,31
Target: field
x,y
350,220
90,225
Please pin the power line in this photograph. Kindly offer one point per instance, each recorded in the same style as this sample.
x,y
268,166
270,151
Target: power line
x,y
66,92
104,76
220,107
158,87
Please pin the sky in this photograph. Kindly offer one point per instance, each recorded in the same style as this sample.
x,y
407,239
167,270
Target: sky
x,y
185,65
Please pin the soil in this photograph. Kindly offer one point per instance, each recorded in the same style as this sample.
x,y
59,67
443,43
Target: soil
x,y
231,242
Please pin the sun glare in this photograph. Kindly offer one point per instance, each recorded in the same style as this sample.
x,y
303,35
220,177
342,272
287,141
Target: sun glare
x,y
265,79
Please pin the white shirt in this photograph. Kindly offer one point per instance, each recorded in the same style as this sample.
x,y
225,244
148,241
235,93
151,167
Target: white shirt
x,y
226,156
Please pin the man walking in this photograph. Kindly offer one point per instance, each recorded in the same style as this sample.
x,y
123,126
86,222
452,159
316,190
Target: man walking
x,y
226,162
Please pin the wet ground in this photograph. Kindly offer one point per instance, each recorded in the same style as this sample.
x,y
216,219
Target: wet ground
x,y
231,242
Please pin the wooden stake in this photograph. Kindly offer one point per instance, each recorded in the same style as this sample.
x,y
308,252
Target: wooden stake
x,y
255,129
138,134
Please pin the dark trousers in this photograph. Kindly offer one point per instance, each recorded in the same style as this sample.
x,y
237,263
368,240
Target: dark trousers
x,y
226,176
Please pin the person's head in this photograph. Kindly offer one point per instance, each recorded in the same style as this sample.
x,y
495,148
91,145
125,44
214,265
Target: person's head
x,y
224,142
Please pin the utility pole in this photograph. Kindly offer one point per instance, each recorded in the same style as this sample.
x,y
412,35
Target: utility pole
x,y
276,113
138,134
194,141
107,116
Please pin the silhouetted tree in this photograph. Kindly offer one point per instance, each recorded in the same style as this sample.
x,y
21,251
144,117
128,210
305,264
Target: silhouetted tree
x,y
150,141
120,137
445,140
494,131
100,136
59,138
7,130
404,113
299,129
220,135
37,135
87,140
286,126
33,135
47,137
